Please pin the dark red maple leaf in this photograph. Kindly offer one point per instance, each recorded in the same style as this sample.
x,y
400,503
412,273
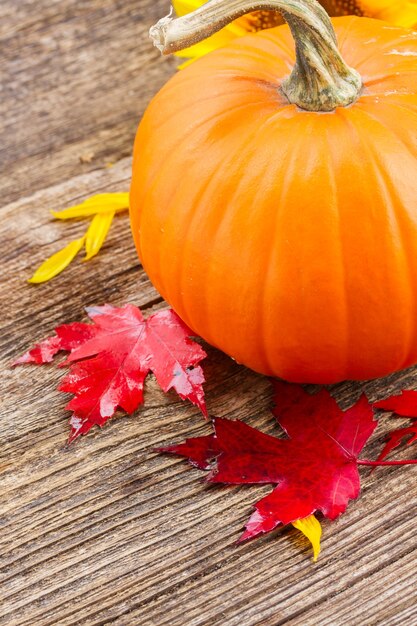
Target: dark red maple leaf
x,y
110,359
314,469
404,405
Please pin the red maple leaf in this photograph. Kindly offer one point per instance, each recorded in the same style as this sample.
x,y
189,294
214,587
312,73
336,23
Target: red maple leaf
x,y
314,469
110,359
404,405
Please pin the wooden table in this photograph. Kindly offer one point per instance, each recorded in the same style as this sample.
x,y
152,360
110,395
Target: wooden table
x,y
105,531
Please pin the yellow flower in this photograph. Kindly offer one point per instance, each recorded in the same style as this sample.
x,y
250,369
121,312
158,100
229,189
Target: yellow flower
x,y
102,208
398,12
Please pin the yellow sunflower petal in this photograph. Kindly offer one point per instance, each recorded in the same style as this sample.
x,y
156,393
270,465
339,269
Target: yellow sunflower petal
x,y
97,233
218,40
111,200
100,203
398,12
57,262
311,528
182,7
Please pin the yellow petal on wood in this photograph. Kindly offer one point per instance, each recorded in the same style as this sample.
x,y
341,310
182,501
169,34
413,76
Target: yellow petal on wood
x,y
97,233
100,203
57,262
111,200
311,528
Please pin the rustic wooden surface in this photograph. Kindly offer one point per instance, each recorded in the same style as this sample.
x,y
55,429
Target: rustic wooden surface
x,y
105,531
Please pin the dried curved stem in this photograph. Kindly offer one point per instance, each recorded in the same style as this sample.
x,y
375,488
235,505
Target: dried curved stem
x,y
320,80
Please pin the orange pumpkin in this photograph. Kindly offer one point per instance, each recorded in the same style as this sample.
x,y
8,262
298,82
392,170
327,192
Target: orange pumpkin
x,y
286,237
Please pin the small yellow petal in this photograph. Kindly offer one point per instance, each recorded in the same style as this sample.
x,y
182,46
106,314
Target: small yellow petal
x,y
57,262
100,203
111,200
311,528
218,40
97,233
182,7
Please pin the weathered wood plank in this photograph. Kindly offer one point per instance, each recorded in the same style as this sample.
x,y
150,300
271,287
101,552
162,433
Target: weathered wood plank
x,y
105,531
75,78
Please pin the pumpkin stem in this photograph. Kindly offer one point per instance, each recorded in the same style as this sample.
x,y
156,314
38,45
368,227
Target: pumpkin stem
x,y
320,79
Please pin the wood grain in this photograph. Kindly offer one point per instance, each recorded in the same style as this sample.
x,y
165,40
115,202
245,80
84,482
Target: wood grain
x,y
105,531
76,76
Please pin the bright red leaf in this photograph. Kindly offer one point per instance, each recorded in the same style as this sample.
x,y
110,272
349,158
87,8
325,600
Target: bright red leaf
x,y
110,359
314,469
404,405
